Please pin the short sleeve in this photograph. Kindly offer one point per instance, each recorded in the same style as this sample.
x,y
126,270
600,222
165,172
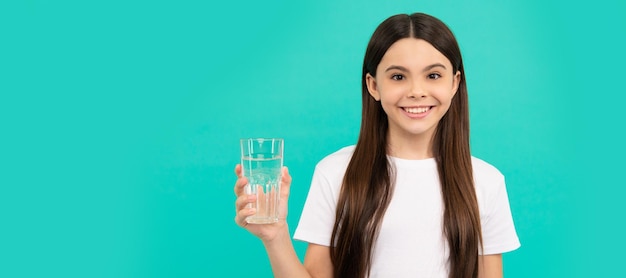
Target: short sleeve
x,y
498,229
318,215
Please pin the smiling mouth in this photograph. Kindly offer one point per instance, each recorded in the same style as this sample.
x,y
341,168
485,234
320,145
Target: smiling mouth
x,y
416,110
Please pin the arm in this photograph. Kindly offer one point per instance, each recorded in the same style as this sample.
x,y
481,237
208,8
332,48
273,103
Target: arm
x,y
283,258
285,262
490,266
317,261
276,237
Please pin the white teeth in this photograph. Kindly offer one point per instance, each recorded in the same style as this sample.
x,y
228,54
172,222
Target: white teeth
x,y
416,110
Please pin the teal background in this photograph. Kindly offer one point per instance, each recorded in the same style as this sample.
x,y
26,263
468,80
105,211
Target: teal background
x,y
120,123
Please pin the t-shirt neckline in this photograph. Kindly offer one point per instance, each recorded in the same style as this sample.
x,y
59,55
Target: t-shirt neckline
x,y
412,163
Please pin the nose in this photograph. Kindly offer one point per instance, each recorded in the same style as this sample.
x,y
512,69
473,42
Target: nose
x,y
416,91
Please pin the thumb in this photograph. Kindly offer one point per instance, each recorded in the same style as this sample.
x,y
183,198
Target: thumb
x,y
285,181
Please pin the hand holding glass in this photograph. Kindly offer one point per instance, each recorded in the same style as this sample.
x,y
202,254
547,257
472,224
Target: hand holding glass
x,y
262,163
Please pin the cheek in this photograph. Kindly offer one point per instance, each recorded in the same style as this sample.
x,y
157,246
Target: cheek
x,y
391,93
446,103
445,96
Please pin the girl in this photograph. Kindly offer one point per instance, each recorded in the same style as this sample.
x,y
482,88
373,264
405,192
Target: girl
x,y
408,200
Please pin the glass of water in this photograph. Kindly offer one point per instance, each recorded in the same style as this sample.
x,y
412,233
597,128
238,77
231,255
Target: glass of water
x,y
262,163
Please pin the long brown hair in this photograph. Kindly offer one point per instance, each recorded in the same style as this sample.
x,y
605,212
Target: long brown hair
x,y
368,183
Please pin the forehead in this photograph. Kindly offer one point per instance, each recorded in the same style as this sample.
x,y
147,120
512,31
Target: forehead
x,y
411,52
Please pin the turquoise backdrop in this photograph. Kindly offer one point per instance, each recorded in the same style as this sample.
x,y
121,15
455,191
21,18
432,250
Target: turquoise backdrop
x,y
120,120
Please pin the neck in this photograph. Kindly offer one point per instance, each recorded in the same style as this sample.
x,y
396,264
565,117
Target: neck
x,y
410,146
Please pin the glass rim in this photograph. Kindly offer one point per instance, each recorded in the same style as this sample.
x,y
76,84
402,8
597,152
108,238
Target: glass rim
x,y
261,139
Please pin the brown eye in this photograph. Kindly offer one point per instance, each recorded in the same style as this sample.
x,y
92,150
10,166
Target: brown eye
x,y
397,77
434,76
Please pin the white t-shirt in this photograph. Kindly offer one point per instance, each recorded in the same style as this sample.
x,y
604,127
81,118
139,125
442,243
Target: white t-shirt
x,y
411,242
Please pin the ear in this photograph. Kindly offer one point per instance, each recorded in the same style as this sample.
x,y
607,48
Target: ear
x,y
456,82
372,87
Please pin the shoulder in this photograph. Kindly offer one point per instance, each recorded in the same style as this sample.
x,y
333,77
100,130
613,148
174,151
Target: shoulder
x,y
485,172
488,180
337,161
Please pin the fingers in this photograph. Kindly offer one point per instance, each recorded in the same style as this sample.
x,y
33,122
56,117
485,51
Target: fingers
x,y
243,201
286,177
285,182
243,209
240,186
241,181
238,170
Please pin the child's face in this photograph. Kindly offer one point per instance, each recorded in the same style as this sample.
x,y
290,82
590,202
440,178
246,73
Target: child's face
x,y
415,84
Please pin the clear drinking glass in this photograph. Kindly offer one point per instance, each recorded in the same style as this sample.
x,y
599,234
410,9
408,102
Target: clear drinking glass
x,y
262,162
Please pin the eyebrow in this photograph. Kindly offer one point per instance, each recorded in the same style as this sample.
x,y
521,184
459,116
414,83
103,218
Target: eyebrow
x,y
427,68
